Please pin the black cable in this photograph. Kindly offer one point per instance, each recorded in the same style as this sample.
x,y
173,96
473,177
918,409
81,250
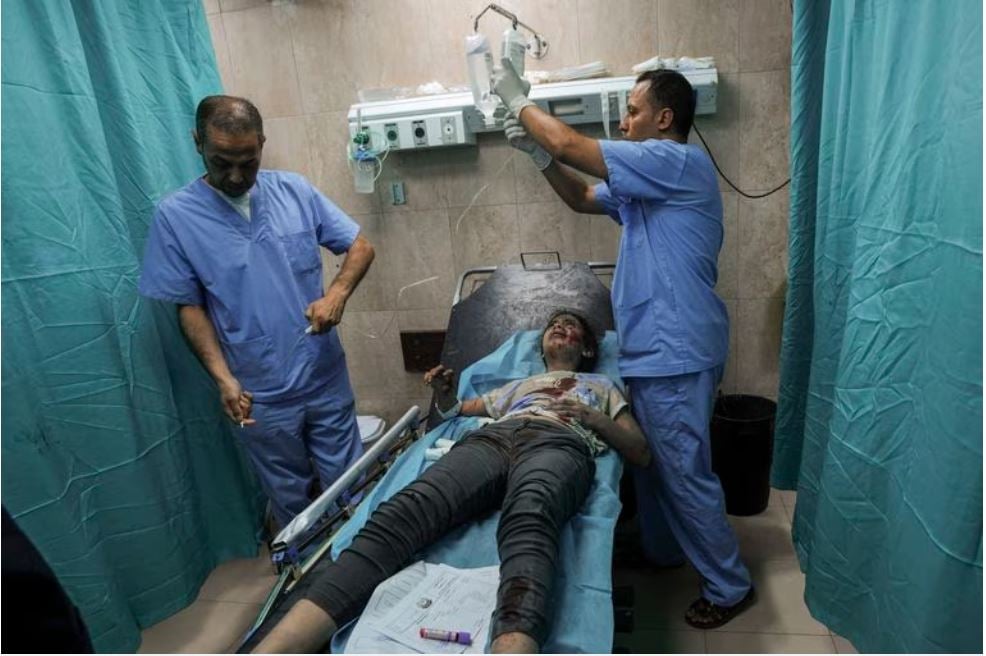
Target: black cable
x,y
730,182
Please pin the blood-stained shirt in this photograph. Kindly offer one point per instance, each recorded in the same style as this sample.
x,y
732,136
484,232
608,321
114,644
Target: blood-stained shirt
x,y
533,395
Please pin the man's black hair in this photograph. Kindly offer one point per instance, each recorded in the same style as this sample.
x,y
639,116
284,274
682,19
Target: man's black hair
x,y
227,114
671,89
587,364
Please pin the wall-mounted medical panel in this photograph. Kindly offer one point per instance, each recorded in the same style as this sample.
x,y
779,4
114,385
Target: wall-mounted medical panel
x,y
415,123
452,120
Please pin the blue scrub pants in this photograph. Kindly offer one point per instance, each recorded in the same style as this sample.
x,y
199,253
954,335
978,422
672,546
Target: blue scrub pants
x,y
680,502
291,436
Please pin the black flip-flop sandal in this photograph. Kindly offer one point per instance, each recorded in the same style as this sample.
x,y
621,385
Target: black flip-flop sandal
x,y
703,614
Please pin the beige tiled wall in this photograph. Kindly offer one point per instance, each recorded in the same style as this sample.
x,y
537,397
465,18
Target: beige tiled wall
x,y
302,62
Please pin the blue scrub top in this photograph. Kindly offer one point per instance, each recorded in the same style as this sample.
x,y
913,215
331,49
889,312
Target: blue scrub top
x,y
255,278
669,319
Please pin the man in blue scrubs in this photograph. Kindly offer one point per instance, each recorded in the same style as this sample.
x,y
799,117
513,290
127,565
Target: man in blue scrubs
x,y
237,250
673,328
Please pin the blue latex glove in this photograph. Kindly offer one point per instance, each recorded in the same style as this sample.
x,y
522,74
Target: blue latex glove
x,y
511,88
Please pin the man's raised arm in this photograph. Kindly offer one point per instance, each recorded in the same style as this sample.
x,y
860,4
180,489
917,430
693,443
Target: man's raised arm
x,y
559,140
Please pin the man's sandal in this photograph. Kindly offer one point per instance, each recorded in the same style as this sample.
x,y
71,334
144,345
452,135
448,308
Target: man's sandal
x,y
703,614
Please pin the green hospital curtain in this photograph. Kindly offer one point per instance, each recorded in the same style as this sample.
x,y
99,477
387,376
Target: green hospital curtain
x,y
116,461
879,423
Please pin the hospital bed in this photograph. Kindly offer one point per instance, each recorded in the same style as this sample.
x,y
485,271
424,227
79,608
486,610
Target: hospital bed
x,y
492,337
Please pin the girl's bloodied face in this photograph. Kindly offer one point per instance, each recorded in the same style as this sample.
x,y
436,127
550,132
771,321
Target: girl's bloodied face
x,y
563,338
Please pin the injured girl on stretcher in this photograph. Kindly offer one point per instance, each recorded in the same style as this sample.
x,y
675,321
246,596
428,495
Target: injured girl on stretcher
x,y
535,462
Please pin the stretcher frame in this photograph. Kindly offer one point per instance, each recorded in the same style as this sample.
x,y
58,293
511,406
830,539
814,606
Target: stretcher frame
x,y
329,513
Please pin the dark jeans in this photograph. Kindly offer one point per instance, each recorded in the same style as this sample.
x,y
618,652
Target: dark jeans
x,y
538,472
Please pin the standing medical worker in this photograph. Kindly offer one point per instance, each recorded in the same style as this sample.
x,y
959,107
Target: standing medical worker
x,y
673,329
238,251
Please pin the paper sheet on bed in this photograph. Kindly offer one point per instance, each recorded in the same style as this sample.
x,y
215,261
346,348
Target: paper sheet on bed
x,y
583,583
431,596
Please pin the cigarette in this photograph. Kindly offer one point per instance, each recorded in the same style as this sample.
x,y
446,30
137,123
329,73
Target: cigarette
x,y
308,330
242,424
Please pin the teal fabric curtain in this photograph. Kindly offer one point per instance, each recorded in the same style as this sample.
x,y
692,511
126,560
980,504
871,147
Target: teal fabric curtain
x,y
879,422
116,462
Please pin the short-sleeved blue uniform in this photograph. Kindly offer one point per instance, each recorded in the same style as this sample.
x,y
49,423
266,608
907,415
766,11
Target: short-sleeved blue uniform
x,y
674,338
255,278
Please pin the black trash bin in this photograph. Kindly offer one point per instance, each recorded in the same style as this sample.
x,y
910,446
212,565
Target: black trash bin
x,y
742,450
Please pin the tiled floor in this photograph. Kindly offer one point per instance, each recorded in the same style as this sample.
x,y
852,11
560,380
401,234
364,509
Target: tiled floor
x,y
777,623
227,604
